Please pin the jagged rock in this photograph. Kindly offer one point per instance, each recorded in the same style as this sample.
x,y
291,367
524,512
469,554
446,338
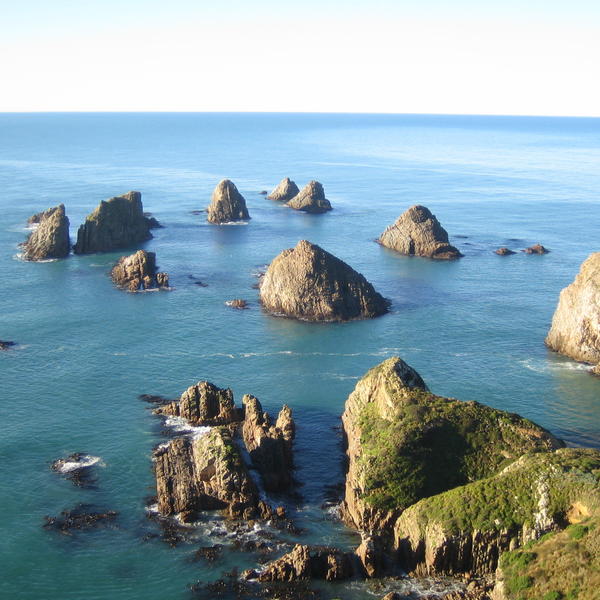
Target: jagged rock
x,y
371,553
285,190
138,272
227,204
77,468
504,251
5,344
418,233
39,217
152,222
308,283
79,518
575,327
51,238
116,223
204,404
405,443
536,249
310,199
269,446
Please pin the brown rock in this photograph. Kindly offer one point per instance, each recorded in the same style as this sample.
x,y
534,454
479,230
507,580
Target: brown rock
x,y
51,238
237,303
371,553
311,199
227,204
39,217
138,272
504,251
536,249
285,190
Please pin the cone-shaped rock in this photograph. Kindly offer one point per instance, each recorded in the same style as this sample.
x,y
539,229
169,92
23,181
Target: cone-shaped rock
x,y
116,223
51,238
575,327
227,204
285,191
308,283
418,233
138,272
311,199
39,217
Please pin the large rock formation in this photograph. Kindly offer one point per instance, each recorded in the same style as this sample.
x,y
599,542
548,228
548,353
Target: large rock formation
x,y
418,233
308,283
310,199
51,238
39,217
227,204
138,272
285,190
116,223
575,327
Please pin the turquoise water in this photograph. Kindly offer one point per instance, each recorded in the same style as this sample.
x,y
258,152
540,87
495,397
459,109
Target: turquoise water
x,y
474,328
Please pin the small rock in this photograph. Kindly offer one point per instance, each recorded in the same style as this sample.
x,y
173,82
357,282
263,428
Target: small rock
x,y
5,344
536,249
311,199
138,272
237,303
285,191
504,251
79,519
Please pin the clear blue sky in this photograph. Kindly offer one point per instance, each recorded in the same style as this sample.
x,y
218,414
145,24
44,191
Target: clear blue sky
x,y
465,56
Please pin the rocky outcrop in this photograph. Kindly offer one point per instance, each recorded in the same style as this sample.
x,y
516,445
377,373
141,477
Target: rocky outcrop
x,y
575,329
504,251
51,238
238,303
116,223
138,272
308,283
418,233
6,344
227,204
285,190
310,199
536,249
39,217
269,445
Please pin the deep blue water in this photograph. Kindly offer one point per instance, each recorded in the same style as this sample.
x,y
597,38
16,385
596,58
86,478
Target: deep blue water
x,y
473,328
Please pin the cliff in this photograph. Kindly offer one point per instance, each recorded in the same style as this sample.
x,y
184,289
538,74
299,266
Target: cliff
x,y
310,199
51,238
285,190
139,272
227,204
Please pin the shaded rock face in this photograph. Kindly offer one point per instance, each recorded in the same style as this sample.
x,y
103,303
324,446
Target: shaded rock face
x,y
51,238
575,329
116,223
285,190
418,233
39,217
138,272
308,283
310,199
227,204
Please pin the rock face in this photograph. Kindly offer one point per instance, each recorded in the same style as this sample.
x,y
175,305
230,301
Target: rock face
x,y
308,283
116,223
575,327
418,233
311,199
39,217
227,204
285,190
51,238
138,272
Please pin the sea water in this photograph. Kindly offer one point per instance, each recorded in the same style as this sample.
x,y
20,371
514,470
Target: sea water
x,y
473,328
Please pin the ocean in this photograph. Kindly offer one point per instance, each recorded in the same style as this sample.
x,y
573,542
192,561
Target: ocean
x,y
473,328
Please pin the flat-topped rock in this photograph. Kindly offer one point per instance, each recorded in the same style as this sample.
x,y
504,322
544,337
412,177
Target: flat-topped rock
x,y
417,232
308,283
51,238
285,190
116,223
227,204
310,199
139,272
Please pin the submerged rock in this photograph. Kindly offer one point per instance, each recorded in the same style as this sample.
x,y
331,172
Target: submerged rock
x,y
310,199
237,303
79,518
286,189
417,232
227,204
308,283
116,223
6,344
504,251
51,238
77,468
536,249
138,272
575,329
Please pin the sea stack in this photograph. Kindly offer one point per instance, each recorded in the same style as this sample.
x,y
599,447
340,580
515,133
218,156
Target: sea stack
x,y
116,223
311,199
138,272
227,204
285,191
310,284
418,233
575,329
51,238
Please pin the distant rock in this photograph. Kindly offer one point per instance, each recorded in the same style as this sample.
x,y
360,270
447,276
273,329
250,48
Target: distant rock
x,y
575,329
417,232
116,223
308,283
80,518
504,251
263,192
285,190
227,204
536,249
5,344
77,468
237,303
152,222
138,272
311,199
51,238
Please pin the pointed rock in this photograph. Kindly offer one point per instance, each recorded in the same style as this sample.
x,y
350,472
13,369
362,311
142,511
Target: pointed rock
x,y
138,272
39,217
418,233
285,191
227,204
308,283
311,199
51,238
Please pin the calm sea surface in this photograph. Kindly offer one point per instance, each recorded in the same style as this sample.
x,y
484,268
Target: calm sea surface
x,y
473,328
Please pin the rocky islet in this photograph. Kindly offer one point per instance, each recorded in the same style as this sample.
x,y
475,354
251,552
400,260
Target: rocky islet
x,y
51,237
139,272
227,205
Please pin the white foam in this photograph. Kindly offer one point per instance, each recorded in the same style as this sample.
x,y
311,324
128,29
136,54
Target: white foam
x,y
19,256
87,460
542,366
152,509
181,425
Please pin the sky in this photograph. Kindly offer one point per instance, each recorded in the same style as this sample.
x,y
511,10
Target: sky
x,y
505,57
